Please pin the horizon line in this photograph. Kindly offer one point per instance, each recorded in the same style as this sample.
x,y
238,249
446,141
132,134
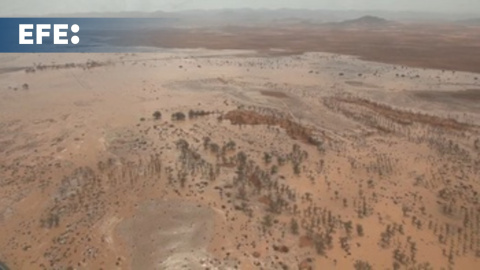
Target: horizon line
x,y
250,9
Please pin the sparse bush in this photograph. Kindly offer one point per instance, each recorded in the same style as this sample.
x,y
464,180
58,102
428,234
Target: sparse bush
x,y
274,169
206,142
267,222
267,158
360,230
214,148
294,226
362,265
296,169
230,146
157,115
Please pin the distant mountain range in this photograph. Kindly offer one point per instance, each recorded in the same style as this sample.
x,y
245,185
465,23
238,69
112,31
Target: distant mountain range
x,y
251,17
366,21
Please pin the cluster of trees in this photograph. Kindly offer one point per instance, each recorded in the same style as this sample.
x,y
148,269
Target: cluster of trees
x,y
197,113
88,65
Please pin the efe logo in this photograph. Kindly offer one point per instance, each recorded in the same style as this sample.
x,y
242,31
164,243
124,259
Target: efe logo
x,y
60,33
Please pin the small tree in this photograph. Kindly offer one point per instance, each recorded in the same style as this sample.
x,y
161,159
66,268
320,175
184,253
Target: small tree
x,y
294,226
274,169
359,230
157,115
267,222
206,142
178,116
348,227
296,169
267,157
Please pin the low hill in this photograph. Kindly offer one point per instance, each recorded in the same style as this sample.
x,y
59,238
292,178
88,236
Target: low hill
x,y
366,21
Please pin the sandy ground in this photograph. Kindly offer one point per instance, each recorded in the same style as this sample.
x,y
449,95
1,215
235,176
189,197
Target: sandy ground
x,y
176,227
445,46
311,161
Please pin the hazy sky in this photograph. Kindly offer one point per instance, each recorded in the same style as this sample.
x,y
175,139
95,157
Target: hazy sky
x,y
38,7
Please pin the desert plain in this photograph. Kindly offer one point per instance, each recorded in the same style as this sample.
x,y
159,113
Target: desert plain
x,y
237,158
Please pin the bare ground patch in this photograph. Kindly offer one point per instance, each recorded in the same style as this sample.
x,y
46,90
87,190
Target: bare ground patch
x,y
168,235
